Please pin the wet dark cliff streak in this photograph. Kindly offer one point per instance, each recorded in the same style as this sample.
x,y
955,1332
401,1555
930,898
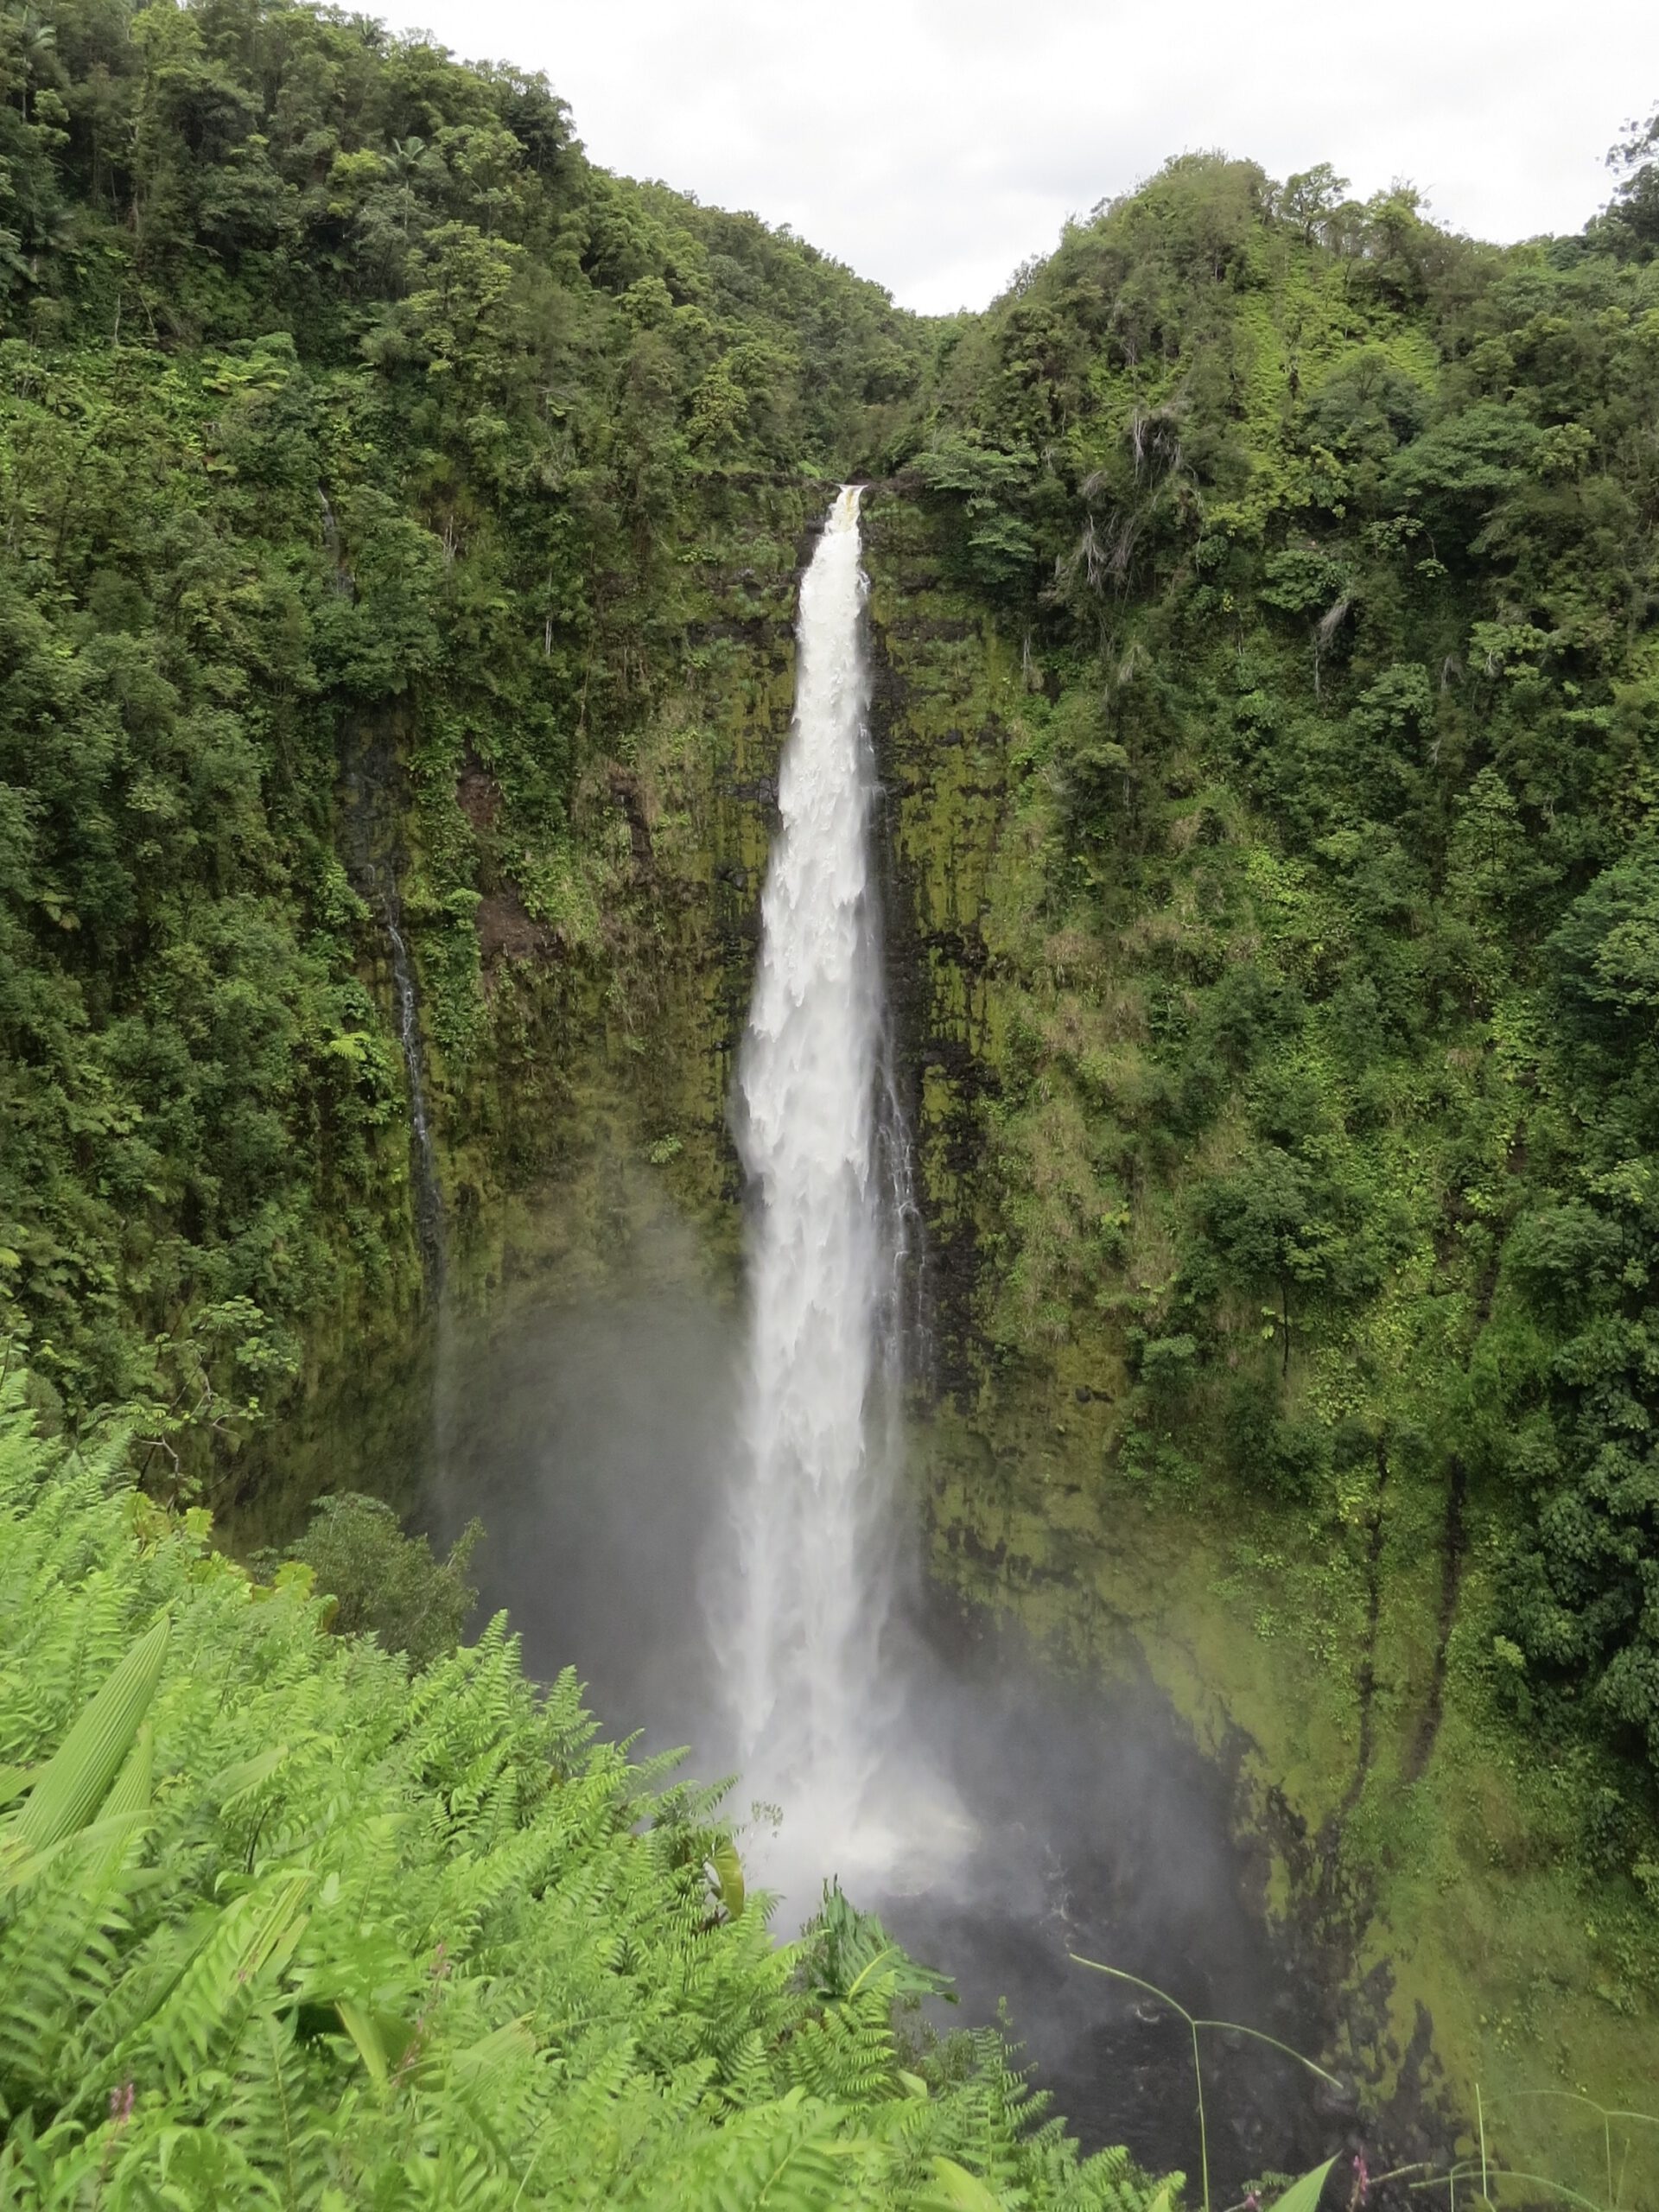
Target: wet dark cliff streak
x,y
941,757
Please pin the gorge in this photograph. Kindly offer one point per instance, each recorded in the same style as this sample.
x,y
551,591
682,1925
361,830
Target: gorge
x,y
1221,883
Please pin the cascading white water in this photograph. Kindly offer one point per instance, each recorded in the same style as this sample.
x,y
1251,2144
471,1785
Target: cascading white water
x,y
813,1539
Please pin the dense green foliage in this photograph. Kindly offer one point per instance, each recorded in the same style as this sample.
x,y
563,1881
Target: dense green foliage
x,y
364,454
385,1583
281,1925
1334,544
355,435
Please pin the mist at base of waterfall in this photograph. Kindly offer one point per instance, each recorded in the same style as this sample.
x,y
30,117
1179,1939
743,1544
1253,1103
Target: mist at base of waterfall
x,y
595,1445
1012,1814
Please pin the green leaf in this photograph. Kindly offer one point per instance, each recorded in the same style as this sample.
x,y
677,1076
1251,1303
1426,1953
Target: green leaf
x,y
1303,2195
85,1762
728,1872
365,2031
239,1781
480,2060
129,1791
122,1815
353,1045
955,2187
101,1845
255,1934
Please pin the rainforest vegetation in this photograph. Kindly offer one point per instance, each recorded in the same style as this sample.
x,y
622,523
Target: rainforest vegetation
x,y
376,471
1338,540
280,1925
344,402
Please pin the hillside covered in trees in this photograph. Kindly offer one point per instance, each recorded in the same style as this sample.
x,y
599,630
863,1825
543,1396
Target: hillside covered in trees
x,y
401,520
349,411
1332,544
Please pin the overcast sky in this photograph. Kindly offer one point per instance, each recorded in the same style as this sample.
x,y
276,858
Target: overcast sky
x,y
933,145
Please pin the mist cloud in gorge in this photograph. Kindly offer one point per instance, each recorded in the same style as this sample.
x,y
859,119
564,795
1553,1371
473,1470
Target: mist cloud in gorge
x,y
595,1442
935,144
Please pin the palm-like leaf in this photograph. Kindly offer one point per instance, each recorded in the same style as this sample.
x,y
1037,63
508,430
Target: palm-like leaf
x,y
85,1763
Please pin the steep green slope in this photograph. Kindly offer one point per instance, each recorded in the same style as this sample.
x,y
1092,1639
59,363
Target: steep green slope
x,y
1329,543
375,466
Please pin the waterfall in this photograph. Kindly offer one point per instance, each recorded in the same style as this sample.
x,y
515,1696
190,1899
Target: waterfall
x,y
828,1167
428,1193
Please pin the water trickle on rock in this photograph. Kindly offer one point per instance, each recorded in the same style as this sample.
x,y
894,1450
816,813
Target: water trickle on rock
x,y
428,1190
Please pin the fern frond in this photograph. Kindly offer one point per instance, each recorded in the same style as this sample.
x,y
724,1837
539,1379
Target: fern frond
x,y
272,2113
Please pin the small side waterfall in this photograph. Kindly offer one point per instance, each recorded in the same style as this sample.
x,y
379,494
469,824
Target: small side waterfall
x,y
428,1192
829,1170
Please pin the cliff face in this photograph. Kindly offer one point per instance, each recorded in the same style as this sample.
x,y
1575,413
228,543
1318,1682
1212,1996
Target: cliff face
x,y
613,1052
580,1105
391,493
941,735
612,1035
1326,1655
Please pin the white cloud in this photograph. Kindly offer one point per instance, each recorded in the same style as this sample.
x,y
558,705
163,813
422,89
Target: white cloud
x,y
933,145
